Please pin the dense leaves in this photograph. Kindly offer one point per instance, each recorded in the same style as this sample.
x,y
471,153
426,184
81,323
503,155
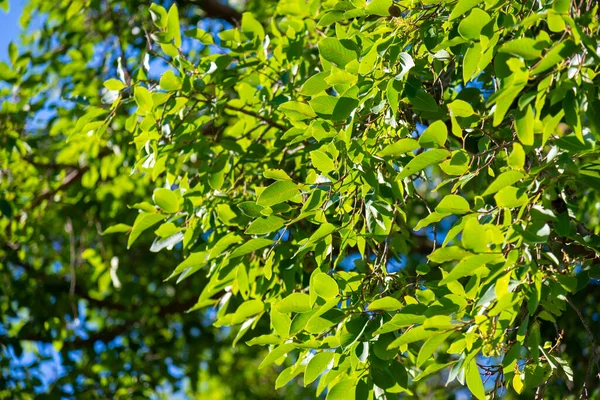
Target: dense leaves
x,y
387,197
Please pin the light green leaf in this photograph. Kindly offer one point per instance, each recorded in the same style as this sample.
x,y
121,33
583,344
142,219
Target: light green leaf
x,y
474,382
278,192
385,304
462,7
250,246
435,135
277,174
324,286
343,390
295,302
118,228
337,52
170,82
159,16
276,354
251,27
504,179
322,162
511,197
516,159
413,335
143,99
200,34
430,346
173,27
379,7
398,148
529,49
422,161
460,108
114,84
430,219
450,253
471,61
143,222
453,204
266,225
558,53
471,26
315,84
297,111
194,260
316,366
524,121
166,199
468,266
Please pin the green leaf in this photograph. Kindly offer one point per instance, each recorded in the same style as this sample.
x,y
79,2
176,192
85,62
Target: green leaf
x,y
470,265
297,111
385,304
379,7
316,366
398,148
143,99
159,16
278,192
173,27
462,7
337,52
295,302
114,84
474,382
170,82
430,219
315,84
266,225
322,162
194,260
453,204
250,246
511,197
423,161
143,222
343,390
200,34
277,174
166,199
450,253
471,26
413,335
524,121
324,286
432,369
471,61
118,228
250,209
460,108
251,27
430,346
276,354
435,135
516,159
558,53
529,49
504,179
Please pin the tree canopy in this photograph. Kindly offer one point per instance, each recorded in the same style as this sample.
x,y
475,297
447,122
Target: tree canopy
x,y
346,199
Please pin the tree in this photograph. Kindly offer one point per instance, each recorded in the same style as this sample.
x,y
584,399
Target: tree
x,y
376,198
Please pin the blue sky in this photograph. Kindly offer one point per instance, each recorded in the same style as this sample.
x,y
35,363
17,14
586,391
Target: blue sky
x,y
9,26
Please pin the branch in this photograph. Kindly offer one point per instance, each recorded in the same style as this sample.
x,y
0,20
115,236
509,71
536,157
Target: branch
x,y
217,10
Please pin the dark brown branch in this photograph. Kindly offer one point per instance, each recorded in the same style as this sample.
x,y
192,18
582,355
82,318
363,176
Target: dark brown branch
x,y
217,10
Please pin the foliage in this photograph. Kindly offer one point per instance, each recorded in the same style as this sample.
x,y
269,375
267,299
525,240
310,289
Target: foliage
x,y
264,158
